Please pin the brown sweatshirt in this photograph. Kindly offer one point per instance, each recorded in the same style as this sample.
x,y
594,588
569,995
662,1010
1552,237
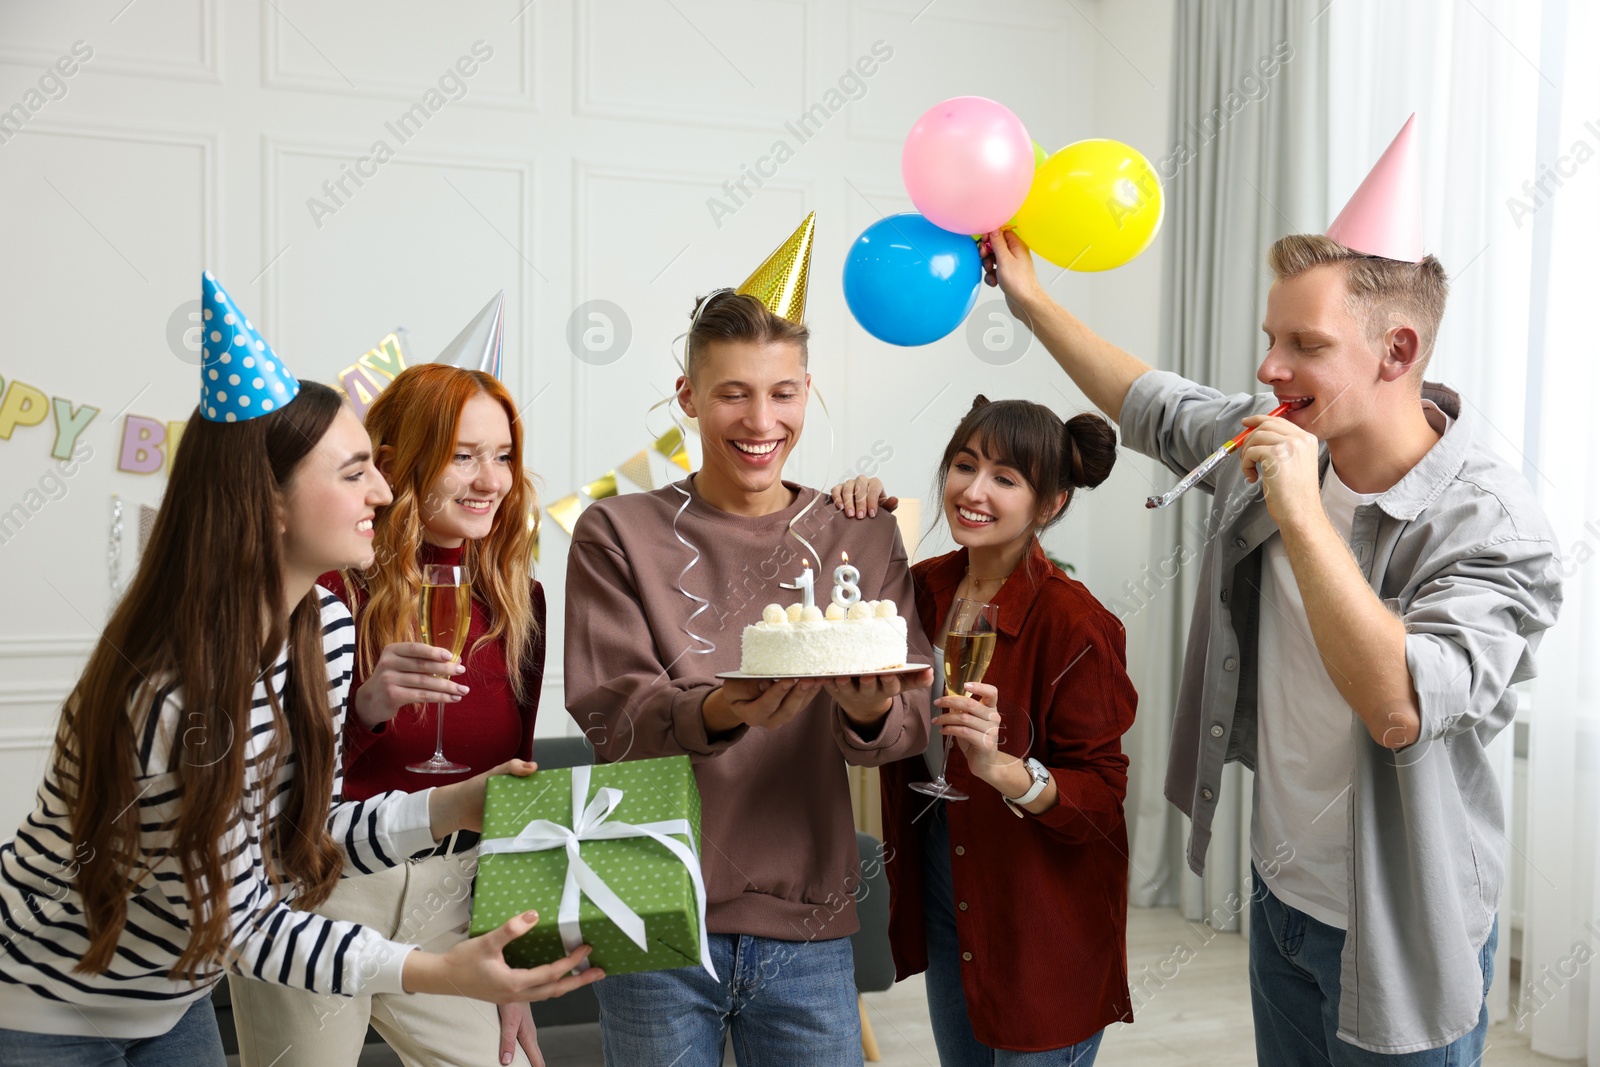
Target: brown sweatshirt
x,y
777,841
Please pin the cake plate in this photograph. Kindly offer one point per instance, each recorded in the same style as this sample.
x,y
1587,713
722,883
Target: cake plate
x,y
909,668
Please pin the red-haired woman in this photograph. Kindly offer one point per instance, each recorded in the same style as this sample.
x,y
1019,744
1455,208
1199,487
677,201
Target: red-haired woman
x,y
195,776
449,444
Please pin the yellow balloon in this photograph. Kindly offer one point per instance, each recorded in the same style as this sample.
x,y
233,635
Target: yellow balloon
x,y
1094,205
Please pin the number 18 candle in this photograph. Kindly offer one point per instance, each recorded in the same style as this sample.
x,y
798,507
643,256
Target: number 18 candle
x,y
846,591
806,583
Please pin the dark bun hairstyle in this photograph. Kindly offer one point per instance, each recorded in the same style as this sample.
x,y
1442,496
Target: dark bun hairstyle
x,y
1092,444
1052,456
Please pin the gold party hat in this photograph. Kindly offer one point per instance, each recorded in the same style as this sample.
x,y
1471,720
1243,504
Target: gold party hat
x,y
780,283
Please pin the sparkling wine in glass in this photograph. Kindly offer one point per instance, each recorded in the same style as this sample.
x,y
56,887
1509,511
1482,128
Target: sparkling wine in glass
x,y
445,611
969,639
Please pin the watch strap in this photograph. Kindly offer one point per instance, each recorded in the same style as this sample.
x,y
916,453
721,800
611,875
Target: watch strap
x,y
1041,778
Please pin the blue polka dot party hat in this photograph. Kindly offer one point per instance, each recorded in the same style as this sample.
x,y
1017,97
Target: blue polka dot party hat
x,y
240,376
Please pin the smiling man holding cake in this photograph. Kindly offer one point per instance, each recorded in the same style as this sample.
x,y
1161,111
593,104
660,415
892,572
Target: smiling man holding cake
x,y
659,588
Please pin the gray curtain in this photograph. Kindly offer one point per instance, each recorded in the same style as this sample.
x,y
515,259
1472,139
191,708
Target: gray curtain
x,y
1248,164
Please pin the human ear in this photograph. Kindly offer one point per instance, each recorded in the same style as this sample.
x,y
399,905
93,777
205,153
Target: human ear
x,y
384,461
1051,510
1402,349
685,389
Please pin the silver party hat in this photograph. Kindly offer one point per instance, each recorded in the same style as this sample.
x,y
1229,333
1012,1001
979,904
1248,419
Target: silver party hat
x,y
479,346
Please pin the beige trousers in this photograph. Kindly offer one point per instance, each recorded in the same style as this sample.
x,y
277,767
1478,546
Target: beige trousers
x,y
421,902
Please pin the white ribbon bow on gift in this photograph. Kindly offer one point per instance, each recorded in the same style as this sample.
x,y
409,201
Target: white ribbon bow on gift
x,y
591,824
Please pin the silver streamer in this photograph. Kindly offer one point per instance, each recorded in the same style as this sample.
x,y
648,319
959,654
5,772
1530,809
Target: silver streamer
x,y
114,548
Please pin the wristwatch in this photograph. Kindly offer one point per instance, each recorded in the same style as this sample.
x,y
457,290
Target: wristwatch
x,y
1041,778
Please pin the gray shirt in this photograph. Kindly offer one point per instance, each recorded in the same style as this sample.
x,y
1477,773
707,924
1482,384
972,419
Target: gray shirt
x,y
1461,551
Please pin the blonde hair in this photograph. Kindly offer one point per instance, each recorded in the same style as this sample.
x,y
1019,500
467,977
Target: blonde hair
x,y
419,416
1379,288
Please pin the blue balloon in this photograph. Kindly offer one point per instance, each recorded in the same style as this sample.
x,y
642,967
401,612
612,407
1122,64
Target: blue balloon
x,y
908,282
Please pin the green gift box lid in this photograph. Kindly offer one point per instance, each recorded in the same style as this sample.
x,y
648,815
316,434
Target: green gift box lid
x,y
643,872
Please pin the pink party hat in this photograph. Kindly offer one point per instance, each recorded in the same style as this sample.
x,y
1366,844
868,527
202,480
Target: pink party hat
x,y
1384,217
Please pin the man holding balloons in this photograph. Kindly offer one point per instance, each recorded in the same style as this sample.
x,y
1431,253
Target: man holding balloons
x,y
1376,581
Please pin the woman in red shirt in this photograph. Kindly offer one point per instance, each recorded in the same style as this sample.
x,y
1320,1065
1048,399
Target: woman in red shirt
x,y
449,443
1015,901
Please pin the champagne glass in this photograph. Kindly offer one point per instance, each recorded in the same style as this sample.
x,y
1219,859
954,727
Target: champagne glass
x,y
445,614
969,638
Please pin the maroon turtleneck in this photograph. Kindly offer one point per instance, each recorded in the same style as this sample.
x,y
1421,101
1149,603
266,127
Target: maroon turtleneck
x,y
486,728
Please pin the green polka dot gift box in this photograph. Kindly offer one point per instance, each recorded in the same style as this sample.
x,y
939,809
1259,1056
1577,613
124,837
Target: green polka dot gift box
x,y
607,855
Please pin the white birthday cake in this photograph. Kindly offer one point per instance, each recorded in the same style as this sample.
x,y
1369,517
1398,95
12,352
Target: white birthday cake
x,y
868,636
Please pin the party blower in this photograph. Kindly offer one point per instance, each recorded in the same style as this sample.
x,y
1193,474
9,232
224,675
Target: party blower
x,y
1212,460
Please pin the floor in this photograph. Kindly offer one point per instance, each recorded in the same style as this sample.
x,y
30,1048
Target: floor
x,y
1198,1018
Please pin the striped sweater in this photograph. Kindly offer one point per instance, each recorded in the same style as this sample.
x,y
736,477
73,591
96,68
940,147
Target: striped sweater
x,y
42,931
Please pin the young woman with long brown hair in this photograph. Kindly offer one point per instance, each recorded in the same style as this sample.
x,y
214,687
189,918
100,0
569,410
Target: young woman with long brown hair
x,y
1014,899
450,446
191,805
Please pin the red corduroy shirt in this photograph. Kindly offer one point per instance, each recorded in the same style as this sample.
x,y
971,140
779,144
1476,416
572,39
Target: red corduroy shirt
x,y
1042,901
484,729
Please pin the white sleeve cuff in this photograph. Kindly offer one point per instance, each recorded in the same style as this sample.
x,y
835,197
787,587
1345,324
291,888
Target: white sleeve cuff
x,y
381,967
407,827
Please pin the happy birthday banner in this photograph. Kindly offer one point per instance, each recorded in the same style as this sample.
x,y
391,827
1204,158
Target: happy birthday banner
x,y
363,380
148,444
23,405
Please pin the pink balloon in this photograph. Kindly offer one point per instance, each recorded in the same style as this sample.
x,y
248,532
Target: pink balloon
x,y
968,164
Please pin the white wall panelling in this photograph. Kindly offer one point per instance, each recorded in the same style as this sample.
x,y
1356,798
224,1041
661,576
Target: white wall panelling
x,y
177,39
107,222
39,670
732,63
470,211
1036,57
400,57
36,673
24,754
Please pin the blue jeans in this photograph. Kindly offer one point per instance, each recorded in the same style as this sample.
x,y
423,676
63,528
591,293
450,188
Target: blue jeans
x,y
786,1002
192,1042
1294,994
947,1004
